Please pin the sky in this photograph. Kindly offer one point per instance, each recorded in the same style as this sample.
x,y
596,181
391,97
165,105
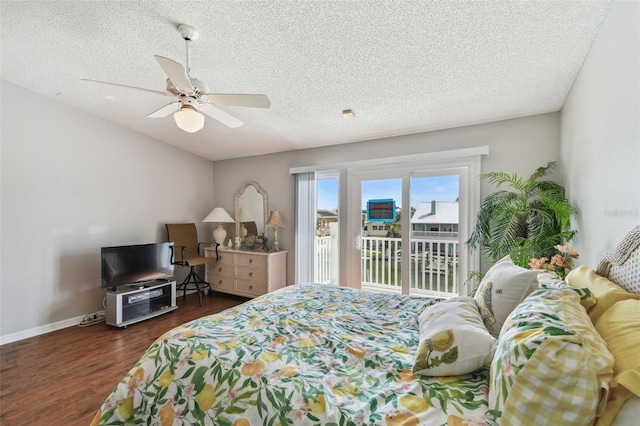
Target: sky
x,y
425,189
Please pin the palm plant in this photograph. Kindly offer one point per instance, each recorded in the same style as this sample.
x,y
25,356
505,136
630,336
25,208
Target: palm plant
x,y
527,221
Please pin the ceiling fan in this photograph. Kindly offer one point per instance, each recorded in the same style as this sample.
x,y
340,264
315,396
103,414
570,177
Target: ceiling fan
x,y
192,94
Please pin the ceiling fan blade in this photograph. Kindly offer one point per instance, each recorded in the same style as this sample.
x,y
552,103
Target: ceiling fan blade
x,y
221,116
176,73
165,110
130,87
253,101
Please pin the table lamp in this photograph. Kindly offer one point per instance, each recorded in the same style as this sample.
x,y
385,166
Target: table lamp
x,y
220,216
275,220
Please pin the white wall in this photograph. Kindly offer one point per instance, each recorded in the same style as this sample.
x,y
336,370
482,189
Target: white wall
x,y
600,142
70,184
519,145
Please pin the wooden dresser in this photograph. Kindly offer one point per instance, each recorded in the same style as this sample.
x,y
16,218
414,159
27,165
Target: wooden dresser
x,y
246,273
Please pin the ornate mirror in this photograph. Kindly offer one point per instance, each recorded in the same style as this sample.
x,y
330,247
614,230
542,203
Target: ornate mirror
x,y
250,209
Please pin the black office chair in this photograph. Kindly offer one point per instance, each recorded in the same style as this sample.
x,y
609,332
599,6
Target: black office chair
x,y
186,252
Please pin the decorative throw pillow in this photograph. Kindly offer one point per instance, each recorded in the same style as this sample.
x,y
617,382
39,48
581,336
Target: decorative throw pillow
x,y
626,275
586,299
619,326
628,414
605,292
550,366
502,288
453,339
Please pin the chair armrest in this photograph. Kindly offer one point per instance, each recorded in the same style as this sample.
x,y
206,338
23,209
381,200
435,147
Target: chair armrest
x,y
209,245
181,261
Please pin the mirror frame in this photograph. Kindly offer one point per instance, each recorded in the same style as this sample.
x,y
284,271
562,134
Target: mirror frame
x,y
236,204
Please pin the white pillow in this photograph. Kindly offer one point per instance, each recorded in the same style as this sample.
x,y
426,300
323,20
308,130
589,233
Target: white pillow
x,y
453,339
629,413
502,288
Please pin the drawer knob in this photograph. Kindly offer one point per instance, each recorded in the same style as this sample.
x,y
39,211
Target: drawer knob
x,y
219,269
250,260
250,274
220,282
251,287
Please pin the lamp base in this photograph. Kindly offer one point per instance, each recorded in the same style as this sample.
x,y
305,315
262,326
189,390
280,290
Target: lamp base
x,y
275,239
220,234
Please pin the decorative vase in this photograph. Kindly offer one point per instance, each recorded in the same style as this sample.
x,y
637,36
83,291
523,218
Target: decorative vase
x,y
250,241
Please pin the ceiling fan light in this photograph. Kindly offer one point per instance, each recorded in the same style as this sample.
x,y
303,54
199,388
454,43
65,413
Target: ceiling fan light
x,y
189,120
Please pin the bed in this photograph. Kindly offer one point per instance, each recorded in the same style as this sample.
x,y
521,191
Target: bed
x,y
315,354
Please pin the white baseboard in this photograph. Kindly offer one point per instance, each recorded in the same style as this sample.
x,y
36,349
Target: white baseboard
x,y
36,331
47,328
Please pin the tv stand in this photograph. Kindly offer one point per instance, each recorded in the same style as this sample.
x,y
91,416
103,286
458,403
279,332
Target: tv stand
x,y
127,305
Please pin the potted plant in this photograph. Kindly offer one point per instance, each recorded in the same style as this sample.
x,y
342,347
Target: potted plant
x,y
528,220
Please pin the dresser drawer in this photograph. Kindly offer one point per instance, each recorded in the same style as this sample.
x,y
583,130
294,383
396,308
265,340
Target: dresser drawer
x,y
252,261
251,287
227,258
251,274
225,269
222,283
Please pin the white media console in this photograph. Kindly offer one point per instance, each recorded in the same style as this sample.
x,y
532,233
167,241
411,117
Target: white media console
x,y
130,304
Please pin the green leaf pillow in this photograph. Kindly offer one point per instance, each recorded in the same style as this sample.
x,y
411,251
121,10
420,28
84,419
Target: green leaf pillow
x,y
551,366
453,339
586,298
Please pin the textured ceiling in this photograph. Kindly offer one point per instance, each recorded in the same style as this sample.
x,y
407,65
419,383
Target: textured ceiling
x,y
403,66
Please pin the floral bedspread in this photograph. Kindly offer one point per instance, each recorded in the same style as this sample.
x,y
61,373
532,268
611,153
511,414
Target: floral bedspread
x,y
305,355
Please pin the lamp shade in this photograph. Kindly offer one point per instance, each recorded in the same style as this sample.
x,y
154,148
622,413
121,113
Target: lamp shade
x,y
275,219
219,215
188,119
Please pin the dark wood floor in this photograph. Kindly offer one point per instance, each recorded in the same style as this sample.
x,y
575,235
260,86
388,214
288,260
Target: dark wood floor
x,y
62,377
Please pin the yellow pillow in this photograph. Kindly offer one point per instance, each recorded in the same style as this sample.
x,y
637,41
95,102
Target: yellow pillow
x,y
619,327
606,292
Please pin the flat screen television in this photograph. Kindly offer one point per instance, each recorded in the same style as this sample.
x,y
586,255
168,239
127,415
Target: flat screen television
x,y
136,264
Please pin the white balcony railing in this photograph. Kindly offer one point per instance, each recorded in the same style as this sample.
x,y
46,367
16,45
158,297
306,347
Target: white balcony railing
x,y
433,263
434,235
323,260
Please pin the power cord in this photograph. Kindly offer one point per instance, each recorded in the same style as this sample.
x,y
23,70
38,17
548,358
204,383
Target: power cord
x,y
91,319
94,318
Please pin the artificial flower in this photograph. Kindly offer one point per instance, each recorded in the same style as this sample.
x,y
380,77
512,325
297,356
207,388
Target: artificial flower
x,y
568,250
560,263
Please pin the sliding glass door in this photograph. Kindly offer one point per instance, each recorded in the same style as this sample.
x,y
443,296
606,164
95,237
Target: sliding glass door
x,y
408,230
434,236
